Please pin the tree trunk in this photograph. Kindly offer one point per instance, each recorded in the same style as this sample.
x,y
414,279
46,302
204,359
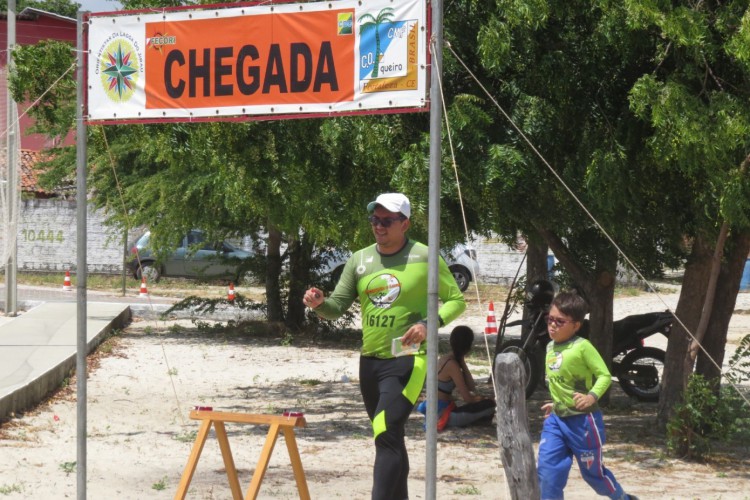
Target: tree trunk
x,y
600,294
708,302
300,259
516,448
275,308
688,311
598,289
715,339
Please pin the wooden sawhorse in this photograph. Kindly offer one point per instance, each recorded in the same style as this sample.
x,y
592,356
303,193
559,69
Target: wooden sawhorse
x,y
277,424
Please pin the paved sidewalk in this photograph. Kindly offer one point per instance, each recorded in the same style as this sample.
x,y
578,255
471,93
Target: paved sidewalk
x,y
38,345
38,348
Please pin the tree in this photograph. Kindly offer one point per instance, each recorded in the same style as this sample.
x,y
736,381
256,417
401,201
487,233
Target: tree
x,y
696,102
563,71
640,109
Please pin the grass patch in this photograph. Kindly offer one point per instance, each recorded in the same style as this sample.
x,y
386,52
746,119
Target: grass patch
x,y
186,437
467,490
7,489
68,467
160,485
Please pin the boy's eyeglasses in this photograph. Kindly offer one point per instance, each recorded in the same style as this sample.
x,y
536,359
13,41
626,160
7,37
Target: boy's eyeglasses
x,y
385,221
558,322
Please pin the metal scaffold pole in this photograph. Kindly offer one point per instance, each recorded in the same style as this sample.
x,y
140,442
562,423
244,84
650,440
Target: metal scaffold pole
x,y
433,257
81,208
11,263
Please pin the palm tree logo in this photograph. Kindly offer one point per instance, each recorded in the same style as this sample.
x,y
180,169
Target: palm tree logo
x,y
385,15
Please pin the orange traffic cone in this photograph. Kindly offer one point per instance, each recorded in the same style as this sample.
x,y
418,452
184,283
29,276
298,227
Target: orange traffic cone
x,y
144,291
230,293
491,328
66,283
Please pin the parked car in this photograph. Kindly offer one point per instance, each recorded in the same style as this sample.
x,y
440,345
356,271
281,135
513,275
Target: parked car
x,y
461,260
195,257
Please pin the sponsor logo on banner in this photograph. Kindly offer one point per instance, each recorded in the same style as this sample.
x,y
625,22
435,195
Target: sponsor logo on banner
x,y
388,53
120,66
158,41
346,23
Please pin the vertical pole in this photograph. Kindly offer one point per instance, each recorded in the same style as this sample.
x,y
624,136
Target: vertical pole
x,y
124,260
11,265
81,206
433,241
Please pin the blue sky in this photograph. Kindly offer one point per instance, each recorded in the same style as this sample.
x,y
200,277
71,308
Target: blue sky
x,y
99,5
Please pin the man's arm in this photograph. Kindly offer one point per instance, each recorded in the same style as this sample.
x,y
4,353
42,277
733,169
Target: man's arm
x,y
342,297
452,298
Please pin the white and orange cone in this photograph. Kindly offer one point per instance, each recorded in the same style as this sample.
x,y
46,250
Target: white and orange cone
x,y
491,328
230,293
66,282
144,290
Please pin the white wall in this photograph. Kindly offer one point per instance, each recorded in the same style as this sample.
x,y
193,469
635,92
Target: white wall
x,y
47,242
47,239
498,262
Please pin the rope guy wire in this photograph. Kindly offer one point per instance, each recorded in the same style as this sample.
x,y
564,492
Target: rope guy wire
x,y
463,212
122,200
128,225
590,215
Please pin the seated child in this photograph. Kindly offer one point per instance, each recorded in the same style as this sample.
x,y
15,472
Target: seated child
x,y
454,374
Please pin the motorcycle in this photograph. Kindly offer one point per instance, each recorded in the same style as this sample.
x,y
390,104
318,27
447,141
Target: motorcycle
x,y
638,368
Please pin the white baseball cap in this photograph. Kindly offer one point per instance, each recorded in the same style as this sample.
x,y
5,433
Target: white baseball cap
x,y
393,202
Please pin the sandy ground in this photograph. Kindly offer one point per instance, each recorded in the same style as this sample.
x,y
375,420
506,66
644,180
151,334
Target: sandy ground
x,y
139,435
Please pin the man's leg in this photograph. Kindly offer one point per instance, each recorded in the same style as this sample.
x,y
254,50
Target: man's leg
x,y
555,459
399,383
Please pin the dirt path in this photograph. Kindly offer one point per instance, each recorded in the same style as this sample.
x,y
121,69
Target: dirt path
x,y
139,437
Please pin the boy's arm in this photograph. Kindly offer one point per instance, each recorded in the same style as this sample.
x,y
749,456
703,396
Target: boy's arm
x,y
602,377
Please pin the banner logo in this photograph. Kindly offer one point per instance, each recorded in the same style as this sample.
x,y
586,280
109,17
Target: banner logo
x,y
346,23
383,290
120,68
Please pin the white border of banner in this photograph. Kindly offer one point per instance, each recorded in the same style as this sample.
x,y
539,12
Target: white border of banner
x,y
129,28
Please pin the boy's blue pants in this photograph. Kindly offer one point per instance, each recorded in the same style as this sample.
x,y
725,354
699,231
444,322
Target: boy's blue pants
x,y
581,436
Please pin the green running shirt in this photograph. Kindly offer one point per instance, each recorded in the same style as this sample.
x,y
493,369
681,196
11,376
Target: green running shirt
x,y
575,366
392,290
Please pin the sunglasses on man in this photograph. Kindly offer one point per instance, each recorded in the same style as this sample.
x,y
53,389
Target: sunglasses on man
x,y
384,221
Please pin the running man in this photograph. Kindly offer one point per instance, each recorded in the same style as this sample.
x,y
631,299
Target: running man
x,y
390,279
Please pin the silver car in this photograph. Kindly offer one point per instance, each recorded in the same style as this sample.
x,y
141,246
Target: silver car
x,y
195,257
461,260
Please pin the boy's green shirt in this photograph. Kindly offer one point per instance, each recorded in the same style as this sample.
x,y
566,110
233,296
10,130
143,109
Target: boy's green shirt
x,y
392,290
575,366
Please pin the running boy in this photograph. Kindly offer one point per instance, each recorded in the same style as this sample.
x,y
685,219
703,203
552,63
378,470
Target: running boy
x,y
573,424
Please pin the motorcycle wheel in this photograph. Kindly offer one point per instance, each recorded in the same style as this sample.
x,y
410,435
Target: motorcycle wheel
x,y
640,373
533,364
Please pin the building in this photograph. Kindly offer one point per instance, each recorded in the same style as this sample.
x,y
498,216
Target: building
x,y
32,25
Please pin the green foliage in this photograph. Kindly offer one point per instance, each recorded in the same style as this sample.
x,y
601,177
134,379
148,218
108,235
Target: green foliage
x,y
7,489
46,71
201,306
739,365
704,418
160,485
68,467
185,437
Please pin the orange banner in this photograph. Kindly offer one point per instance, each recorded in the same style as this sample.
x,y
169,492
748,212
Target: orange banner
x,y
253,60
